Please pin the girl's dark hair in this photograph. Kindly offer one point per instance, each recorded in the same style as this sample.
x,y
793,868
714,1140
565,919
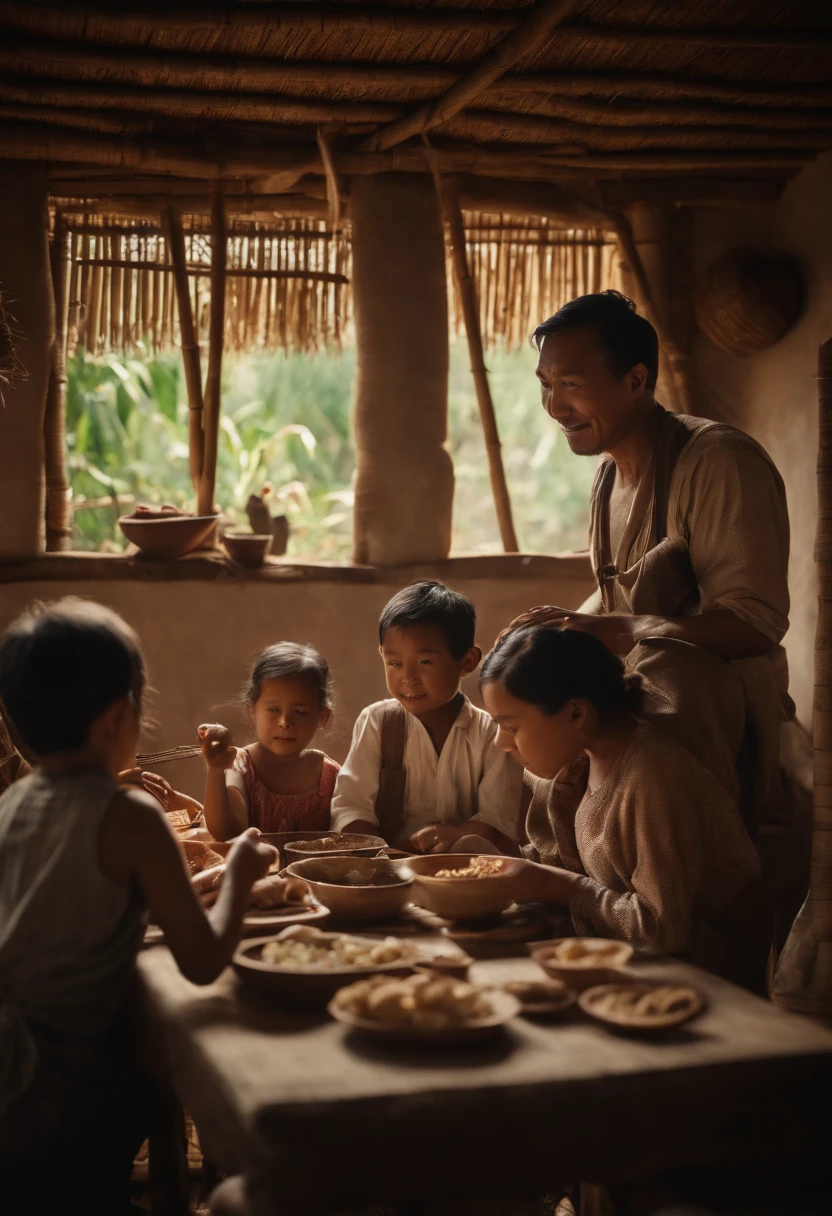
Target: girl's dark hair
x,y
290,661
548,666
61,666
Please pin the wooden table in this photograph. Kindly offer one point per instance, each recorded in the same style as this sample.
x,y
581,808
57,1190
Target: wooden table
x,y
319,1118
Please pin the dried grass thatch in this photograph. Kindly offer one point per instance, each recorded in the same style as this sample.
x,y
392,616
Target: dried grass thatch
x,y
288,282
11,368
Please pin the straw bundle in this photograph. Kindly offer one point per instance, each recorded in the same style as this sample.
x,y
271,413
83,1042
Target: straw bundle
x,y
291,290
525,269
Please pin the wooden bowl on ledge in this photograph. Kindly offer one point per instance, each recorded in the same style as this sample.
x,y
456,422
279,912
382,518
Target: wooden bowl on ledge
x,y
167,535
247,548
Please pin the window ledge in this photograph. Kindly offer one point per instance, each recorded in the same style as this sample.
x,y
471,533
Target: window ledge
x,y
215,567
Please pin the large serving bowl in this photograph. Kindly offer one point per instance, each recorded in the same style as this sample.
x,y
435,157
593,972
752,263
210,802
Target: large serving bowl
x,y
343,844
462,898
295,985
356,888
167,535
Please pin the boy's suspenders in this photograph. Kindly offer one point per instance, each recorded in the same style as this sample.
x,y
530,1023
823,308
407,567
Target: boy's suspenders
x,y
392,774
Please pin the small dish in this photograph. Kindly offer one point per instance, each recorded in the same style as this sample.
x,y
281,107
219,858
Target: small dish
x,y
642,1006
541,998
355,888
260,921
503,1009
454,965
247,548
582,962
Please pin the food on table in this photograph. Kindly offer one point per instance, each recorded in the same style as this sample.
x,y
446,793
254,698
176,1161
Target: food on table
x,y
178,819
200,856
535,992
587,952
165,511
643,1004
319,951
321,845
269,892
359,878
477,867
426,1001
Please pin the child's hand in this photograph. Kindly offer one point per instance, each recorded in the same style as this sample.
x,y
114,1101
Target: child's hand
x,y
248,859
217,744
152,783
436,838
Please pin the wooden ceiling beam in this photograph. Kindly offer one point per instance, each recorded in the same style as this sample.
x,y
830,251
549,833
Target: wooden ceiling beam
x,y
689,192
262,207
624,113
533,31
124,65
431,18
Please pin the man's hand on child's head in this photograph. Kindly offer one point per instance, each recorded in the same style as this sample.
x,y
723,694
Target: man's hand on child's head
x,y
435,838
217,745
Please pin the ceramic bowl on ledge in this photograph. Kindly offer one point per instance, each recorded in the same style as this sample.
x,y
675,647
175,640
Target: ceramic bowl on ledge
x,y
167,535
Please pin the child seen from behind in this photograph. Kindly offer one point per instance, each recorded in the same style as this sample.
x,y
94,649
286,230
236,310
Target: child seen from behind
x,y
454,782
83,862
278,783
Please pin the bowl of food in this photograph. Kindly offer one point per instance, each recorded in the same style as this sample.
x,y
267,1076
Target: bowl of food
x,y
166,532
582,962
305,966
541,998
423,1007
464,886
347,844
642,1006
247,548
355,888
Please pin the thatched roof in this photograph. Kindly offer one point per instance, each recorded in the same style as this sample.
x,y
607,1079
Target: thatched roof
x,y
586,94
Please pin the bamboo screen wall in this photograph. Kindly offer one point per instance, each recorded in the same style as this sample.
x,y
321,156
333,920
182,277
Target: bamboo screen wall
x,y
288,284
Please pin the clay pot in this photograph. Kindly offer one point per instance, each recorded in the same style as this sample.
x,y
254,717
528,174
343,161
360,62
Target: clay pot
x,y
167,536
246,548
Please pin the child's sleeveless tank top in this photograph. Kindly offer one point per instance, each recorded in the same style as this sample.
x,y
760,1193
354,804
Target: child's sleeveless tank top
x,y
68,935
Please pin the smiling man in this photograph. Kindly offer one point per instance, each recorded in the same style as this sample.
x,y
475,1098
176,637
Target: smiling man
x,y
689,536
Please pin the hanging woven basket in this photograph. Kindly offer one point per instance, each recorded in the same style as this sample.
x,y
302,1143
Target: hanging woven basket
x,y
748,299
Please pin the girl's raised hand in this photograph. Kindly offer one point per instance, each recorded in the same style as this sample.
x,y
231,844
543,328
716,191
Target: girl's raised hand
x,y
217,745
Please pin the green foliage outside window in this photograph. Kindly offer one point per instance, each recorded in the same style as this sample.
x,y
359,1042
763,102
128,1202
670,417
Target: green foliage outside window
x,y
286,420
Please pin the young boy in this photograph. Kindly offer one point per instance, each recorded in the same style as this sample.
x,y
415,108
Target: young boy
x,y
423,770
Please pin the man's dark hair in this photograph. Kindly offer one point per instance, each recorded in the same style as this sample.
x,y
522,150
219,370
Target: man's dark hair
x,y
626,338
61,666
432,603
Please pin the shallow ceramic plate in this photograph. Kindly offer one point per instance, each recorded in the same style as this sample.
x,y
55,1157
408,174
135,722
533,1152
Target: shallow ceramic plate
x,y
594,1002
579,974
260,921
543,999
503,1009
304,985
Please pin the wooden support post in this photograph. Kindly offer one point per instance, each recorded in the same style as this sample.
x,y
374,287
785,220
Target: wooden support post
x,y
216,337
470,309
58,491
803,981
175,239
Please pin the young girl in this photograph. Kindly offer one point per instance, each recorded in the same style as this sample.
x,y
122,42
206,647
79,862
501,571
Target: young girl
x,y
279,783
640,841
83,862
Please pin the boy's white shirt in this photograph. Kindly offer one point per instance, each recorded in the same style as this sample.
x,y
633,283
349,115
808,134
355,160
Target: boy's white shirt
x,y
470,779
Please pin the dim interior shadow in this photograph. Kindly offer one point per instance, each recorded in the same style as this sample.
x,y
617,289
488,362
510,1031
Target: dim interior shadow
x,y
420,1054
252,1012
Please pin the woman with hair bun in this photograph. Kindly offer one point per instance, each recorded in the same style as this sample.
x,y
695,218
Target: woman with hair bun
x,y
637,838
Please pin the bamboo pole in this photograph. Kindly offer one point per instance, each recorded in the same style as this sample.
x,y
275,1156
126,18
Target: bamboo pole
x,y
58,490
216,336
204,272
470,309
175,241
533,30
804,975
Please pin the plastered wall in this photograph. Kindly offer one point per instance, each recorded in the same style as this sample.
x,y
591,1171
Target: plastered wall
x,y
199,638
773,395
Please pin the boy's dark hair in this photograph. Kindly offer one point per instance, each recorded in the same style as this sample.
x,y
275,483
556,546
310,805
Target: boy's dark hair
x,y
548,667
290,661
61,666
627,338
432,603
